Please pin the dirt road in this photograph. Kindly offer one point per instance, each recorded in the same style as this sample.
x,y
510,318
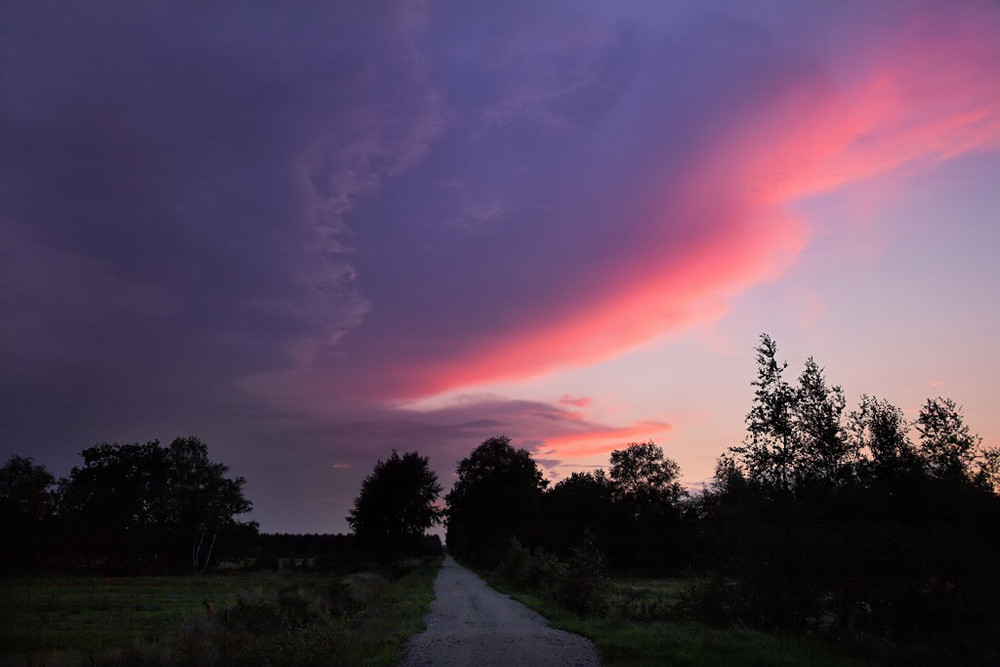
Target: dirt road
x,y
469,623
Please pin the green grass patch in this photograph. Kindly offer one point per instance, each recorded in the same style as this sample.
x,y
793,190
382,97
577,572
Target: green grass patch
x,y
643,626
91,614
261,617
629,642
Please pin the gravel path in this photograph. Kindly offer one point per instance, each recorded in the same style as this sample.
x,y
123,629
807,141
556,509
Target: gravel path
x,y
469,623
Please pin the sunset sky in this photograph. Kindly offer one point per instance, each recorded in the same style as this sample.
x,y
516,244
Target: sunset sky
x,y
311,233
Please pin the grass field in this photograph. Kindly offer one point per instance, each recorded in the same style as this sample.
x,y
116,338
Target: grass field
x,y
281,617
643,627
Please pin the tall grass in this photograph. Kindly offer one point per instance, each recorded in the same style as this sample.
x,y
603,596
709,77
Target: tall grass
x,y
263,617
636,637
635,621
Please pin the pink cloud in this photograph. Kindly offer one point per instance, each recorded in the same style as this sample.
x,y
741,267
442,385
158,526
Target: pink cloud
x,y
581,402
703,222
601,440
921,96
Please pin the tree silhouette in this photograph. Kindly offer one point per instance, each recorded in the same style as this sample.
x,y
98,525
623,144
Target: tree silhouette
x,y
497,496
396,505
769,450
643,475
988,472
820,526
879,432
946,444
143,506
824,451
27,502
646,490
578,506
202,501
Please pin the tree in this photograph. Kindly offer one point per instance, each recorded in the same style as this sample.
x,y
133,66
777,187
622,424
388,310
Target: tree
x,y
497,496
577,506
824,451
901,544
646,494
641,473
202,501
396,504
988,472
880,430
25,490
26,510
946,444
768,453
147,506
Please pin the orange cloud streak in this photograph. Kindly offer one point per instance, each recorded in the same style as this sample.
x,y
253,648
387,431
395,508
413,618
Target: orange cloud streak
x,y
601,441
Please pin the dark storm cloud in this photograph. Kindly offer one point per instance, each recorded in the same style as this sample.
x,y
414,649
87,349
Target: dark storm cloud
x,y
174,188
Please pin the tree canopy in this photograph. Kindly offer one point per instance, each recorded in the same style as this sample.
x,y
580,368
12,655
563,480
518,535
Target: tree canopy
x,y
396,505
27,506
642,473
497,496
148,506
821,516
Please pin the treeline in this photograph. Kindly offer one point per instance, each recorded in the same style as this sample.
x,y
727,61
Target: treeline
x,y
820,521
842,522
129,508
635,513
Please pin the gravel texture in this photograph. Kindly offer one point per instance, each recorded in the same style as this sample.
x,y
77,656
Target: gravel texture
x,y
469,623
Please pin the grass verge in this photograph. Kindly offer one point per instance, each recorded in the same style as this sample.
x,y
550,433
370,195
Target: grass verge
x,y
628,641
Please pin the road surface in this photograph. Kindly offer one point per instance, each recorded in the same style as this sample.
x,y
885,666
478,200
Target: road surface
x,y
469,623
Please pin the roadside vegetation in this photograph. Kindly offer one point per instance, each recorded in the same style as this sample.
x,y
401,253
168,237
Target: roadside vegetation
x,y
262,617
647,620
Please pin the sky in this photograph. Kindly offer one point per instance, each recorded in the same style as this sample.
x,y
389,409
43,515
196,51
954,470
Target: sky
x,y
312,233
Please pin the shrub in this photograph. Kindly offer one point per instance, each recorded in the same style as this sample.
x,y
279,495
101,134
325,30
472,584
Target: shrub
x,y
578,584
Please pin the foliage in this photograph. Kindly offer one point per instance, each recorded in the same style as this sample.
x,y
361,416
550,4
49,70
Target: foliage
x,y
947,446
577,584
768,452
497,496
643,475
626,632
849,529
988,471
580,505
144,506
396,505
826,452
879,431
648,533
27,504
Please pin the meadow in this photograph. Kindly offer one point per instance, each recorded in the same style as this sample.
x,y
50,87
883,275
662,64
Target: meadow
x,y
646,621
271,616
642,625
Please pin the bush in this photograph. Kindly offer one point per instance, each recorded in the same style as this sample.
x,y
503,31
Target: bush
x,y
581,585
577,584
